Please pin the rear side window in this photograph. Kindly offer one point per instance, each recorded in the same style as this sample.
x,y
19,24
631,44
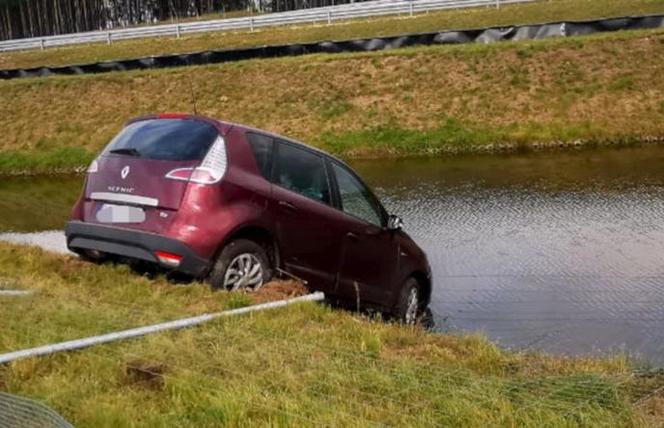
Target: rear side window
x,y
165,139
261,146
303,172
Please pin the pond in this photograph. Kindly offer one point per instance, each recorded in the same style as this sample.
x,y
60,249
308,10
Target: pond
x,y
559,251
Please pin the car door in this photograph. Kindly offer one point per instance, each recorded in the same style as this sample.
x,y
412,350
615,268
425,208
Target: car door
x,y
369,253
309,238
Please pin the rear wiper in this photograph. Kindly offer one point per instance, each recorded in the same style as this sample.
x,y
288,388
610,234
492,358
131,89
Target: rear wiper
x,y
128,151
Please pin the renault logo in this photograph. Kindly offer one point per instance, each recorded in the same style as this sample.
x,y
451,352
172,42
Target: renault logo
x,y
125,172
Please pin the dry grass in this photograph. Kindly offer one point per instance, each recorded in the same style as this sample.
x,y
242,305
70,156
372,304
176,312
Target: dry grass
x,y
544,11
305,365
605,88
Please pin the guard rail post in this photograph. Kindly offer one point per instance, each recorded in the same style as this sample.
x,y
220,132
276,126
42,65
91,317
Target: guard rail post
x,y
329,18
41,44
251,24
177,31
497,4
410,7
109,39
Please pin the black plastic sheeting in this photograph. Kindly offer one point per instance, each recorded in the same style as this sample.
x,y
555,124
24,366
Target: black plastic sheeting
x,y
487,35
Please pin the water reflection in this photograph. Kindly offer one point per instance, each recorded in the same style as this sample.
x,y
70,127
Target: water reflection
x,y
34,204
557,252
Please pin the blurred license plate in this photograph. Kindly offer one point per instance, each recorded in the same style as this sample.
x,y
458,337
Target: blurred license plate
x,y
109,213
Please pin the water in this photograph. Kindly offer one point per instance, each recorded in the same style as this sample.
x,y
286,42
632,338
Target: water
x,y
37,204
559,252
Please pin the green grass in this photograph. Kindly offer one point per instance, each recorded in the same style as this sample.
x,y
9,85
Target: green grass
x,y
62,160
305,365
543,11
455,137
74,299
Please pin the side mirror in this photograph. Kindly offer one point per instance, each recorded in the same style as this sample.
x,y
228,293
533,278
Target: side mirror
x,y
394,223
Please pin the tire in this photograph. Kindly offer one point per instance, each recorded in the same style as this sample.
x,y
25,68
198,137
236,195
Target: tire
x,y
408,311
90,257
242,256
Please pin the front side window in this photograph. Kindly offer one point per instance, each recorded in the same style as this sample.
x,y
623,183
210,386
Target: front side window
x,y
303,172
165,139
355,197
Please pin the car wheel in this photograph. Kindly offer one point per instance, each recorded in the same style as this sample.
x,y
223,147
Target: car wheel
x,y
242,264
409,309
92,256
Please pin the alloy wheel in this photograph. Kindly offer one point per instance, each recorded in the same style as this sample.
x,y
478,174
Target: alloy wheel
x,y
412,307
244,271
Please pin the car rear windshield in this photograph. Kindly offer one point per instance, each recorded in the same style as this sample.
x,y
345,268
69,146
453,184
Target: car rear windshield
x,y
164,139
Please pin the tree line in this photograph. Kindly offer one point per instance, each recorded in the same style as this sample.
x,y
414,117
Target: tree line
x,y
35,18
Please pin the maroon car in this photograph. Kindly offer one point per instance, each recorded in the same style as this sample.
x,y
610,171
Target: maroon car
x,y
236,205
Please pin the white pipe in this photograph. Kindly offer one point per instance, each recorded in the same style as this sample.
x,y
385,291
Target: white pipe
x,y
16,293
72,345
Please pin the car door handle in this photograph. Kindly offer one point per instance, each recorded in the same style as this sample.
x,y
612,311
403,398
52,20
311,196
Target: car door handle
x,y
353,236
287,205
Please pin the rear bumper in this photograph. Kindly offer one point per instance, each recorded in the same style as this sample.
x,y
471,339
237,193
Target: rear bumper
x,y
132,244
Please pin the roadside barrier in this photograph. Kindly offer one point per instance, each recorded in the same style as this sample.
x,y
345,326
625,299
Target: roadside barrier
x,y
73,345
486,35
326,15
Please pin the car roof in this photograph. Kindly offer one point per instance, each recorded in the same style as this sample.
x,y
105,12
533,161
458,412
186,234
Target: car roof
x,y
247,128
225,126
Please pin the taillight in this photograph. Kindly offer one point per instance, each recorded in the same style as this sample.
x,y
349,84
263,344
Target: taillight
x,y
211,170
168,259
198,175
182,174
204,175
94,167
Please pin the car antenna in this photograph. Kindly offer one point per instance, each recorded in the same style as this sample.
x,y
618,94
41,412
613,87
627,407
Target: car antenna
x,y
193,96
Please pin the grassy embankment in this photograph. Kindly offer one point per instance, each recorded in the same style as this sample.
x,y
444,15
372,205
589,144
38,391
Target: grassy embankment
x,y
302,365
428,100
537,12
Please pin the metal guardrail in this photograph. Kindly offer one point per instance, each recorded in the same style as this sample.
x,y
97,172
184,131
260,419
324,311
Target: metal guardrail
x,y
325,15
217,56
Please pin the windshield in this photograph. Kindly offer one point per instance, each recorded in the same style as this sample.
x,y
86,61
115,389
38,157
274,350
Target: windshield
x,y
164,139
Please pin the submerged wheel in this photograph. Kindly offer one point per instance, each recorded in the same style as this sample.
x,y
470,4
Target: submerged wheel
x,y
242,264
409,309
